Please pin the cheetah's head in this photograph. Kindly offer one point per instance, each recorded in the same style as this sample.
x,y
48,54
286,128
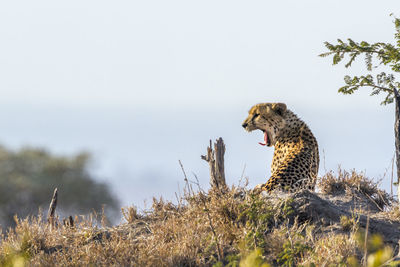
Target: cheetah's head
x,y
267,117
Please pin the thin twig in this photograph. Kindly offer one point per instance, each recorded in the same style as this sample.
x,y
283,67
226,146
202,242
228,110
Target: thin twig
x,y
385,89
376,204
185,178
183,170
242,176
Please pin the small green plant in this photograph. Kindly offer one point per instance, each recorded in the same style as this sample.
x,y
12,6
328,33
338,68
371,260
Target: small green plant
x,y
292,252
233,261
258,216
254,259
347,223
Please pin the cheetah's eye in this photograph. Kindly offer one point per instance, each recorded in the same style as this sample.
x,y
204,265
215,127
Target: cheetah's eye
x,y
255,116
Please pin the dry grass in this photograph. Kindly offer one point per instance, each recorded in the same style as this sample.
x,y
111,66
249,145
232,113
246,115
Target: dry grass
x,y
233,228
332,250
354,184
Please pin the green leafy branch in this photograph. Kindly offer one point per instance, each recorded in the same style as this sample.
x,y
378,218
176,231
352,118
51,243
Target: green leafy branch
x,y
386,54
381,83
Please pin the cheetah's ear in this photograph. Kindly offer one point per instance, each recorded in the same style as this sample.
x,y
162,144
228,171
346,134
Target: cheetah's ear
x,y
279,108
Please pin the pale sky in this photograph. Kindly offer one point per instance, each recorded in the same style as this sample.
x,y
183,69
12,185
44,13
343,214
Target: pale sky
x,y
143,84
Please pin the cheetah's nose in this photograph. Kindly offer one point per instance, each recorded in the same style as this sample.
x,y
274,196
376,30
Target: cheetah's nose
x,y
244,125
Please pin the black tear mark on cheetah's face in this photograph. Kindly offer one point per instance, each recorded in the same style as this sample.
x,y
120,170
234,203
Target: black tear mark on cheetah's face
x,y
296,159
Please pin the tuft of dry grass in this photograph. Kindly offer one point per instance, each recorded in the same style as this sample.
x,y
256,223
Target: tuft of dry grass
x,y
230,228
332,250
354,184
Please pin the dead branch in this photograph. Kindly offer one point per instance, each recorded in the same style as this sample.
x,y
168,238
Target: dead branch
x,y
52,209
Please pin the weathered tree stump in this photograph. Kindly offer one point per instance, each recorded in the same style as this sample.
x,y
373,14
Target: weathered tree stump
x,y
215,159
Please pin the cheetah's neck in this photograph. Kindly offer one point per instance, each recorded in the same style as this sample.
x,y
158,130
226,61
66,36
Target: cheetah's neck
x,y
293,126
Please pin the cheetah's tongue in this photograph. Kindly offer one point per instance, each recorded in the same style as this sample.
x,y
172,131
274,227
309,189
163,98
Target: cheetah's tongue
x,y
265,139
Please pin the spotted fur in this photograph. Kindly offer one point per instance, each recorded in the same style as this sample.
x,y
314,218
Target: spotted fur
x,y
296,159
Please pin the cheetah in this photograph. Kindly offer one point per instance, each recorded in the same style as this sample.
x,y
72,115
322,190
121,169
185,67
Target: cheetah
x,y
296,159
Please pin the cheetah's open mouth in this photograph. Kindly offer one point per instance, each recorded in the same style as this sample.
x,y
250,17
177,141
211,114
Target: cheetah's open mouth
x,y
267,139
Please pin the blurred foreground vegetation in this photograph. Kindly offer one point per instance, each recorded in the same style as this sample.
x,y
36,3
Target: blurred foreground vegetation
x,y
29,176
230,228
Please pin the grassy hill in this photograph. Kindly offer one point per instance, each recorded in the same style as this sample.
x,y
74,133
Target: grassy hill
x,y
351,222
